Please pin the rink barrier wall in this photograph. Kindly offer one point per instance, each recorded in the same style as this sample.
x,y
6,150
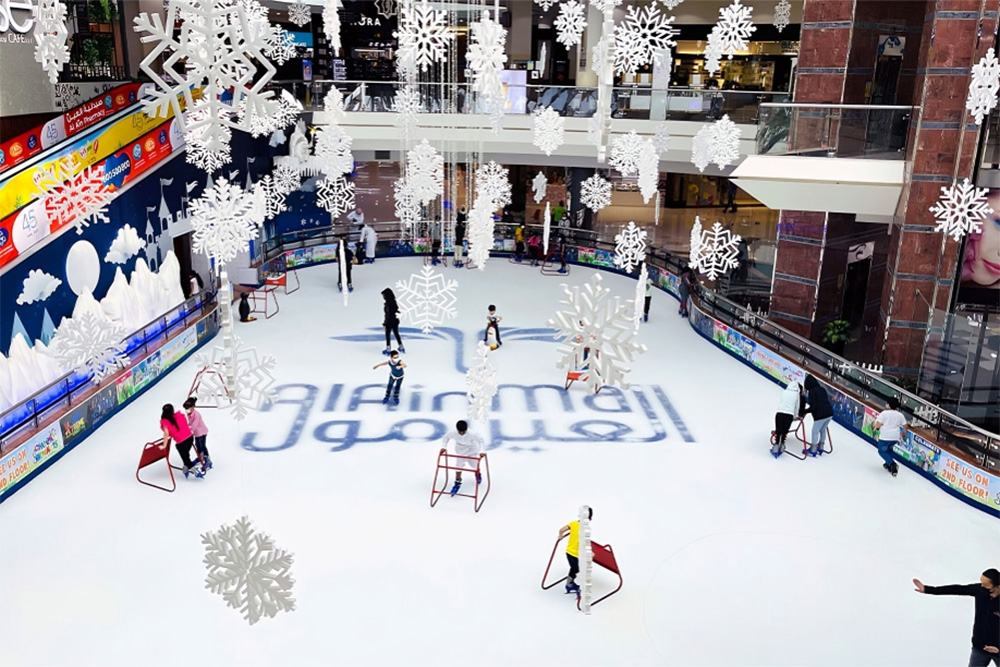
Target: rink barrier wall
x,y
72,426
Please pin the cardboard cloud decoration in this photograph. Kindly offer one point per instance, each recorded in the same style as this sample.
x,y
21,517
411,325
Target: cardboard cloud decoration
x,y
125,246
38,286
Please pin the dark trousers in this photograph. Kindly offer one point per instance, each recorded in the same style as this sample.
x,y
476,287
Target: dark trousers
x,y
347,266
519,249
645,308
782,423
184,449
486,335
574,567
200,446
393,382
981,658
392,329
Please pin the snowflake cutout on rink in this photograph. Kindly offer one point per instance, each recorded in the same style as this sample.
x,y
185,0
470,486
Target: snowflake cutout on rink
x,y
630,247
480,233
336,195
539,186
249,572
299,13
546,4
331,24
81,200
984,87
481,384
661,139
385,8
493,183
225,219
639,301
427,299
961,210
333,146
50,35
604,5
254,383
271,196
782,15
717,252
701,155
596,321
406,104
405,205
570,23
487,55
641,37
425,172
713,51
423,36
548,129
595,192
724,142
91,342
649,170
625,152
735,27
286,179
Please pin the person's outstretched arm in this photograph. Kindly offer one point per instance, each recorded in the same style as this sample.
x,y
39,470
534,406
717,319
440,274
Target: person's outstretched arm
x,y
954,589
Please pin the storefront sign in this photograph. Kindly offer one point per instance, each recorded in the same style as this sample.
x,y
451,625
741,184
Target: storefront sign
x,y
16,16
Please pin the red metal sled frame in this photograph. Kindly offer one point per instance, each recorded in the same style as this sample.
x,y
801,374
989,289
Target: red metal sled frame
x,y
800,435
151,453
603,556
197,382
260,294
580,373
549,262
481,461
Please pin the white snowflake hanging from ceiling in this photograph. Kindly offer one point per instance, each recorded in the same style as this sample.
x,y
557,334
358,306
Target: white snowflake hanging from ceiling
x,y
493,183
425,172
333,104
630,247
700,154
406,104
272,197
50,35
605,5
671,4
91,343
782,15
595,192
661,139
299,13
405,204
281,47
694,244
649,170
486,56
333,146
735,27
639,301
984,88
643,35
250,573
546,4
331,24
961,210
80,200
423,36
570,23
209,156
717,252
713,51
336,195
599,326
539,186
724,142
286,178
427,299
481,384
224,219
625,151
252,375
480,234
548,129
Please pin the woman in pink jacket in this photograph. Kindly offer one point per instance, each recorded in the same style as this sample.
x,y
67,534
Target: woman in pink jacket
x,y
199,431
175,427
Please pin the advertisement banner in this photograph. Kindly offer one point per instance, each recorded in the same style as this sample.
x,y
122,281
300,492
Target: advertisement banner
x,y
102,404
979,270
16,464
74,424
173,350
777,367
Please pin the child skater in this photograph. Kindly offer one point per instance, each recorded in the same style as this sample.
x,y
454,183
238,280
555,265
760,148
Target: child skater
x,y
573,551
396,366
199,431
891,427
175,427
792,403
493,321
466,444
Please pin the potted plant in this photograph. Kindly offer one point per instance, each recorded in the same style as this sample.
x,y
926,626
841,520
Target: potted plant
x,y
91,52
835,336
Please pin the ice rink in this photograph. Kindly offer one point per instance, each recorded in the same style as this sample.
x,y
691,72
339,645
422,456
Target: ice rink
x,y
729,557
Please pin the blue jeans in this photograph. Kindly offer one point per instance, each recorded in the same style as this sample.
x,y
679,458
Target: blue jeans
x,y
819,433
981,658
885,450
398,382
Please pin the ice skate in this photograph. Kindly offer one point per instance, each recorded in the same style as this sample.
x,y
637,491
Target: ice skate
x,y
207,464
385,400
340,288
893,469
387,351
395,400
562,271
572,587
645,318
810,451
402,349
193,470
350,288
776,450
455,488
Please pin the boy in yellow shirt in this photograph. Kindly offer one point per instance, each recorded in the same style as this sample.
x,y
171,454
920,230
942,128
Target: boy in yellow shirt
x,y
573,551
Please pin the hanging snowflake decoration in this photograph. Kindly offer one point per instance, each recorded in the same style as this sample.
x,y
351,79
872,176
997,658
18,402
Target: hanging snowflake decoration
x,y
427,299
406,104
423,36
724,142
714,51
539,186
333,146
661,139
694,245
299,13
333,104
546,4
630,247
209,156
570,23
425,172
600,327
649,170
735,27
331,24
335,195
487,56
594,127
281,47
671,4
595,192
604,5
700,153
50,35
493,183
225,219
81,200
386,8
546,229
643,36
625,151
548,129
272,197
480,234
782,15
481,384
249,572
598,56
961,210
984,88
405,204
253,386
92,343
639,302
717,252
286,179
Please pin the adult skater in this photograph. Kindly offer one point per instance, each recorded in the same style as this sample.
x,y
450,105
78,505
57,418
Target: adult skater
x,y
986,626
789,406
685,285
369,238
562,253
492,322
519,243
573,551
390,320
356,217
649,298
348,264
175,427
891,427
396,368
468,444
459,236
534,248
821,411
198,430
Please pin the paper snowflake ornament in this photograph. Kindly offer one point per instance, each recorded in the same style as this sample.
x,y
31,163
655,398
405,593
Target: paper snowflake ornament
x,y
250,573
250,385
671,4
735,27
333,104
81,200
281,47
639,302
961,210
333,147
548,129
480,234
427,299
630,247
724,142
984,88
546,228
92,343
642,36
539,186
570,23
425,172
272,196
405,204
336,195
299,13
207,156
493,183
286,178
701,155
717,252
782,15
546,4
649,170
487,56
50,35
423,36
481,384
714,51
604,5
661,139
406,104
225,219
595,323
595,192
625,152
694,245
331,24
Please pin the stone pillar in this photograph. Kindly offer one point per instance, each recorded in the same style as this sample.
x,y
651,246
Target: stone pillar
x,y
521,33
585,76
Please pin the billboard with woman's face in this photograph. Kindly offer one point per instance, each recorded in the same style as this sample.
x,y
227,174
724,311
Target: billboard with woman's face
x,y
980,270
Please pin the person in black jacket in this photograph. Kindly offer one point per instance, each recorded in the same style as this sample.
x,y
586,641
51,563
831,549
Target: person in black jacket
x,y
348,265
459,236
822,413
390,320
986,626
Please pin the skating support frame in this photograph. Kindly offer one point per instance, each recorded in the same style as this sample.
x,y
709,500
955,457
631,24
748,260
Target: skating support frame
x,y
152,453
482,467
550,267
580,373
603,556
207,370
800,435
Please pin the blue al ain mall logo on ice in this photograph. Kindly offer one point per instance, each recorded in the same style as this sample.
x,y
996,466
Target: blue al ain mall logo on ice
x,y
613,415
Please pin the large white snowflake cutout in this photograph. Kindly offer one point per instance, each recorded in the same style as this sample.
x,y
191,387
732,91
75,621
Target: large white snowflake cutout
x,y
694,245
649,170
81,200
625,152
253,381
287,178
717,252
281,47
539,186
225,219
406,104
661,139
714,51
595,324
548,129
425,172
701,154
331,24
250,573
724,142
405,204
570,23
961,210
630,247
604,5
333,104
493,183
427,299
299,13
335,195
984,88
272,197
480,234
423,36
487,55
639,302
546,4
735,27
90,342
782,15
481,384
671,4
595,192
645,34
50,35
333,146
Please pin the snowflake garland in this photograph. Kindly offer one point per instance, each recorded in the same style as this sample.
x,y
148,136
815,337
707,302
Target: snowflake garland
x,y
286,178
487,56
427,299
661,139
335,195
548,128
481,384
630,247
481,229
333,146
93,343
625,152
406,105
81,200
961,210
724,142
735,27
405,204
250,573
595,192
224,220
984,88
51,51
639,302
425,172
253,386
331,24
423,36
717,251
546,4
782,15
570,23
272,196
700,153
333,104
649,170
713,51
642,37
539,186
493,183
299,13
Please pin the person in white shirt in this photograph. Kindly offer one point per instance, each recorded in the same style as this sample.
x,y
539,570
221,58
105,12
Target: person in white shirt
x,y
356,217
468,444
891,427
789,407
369,238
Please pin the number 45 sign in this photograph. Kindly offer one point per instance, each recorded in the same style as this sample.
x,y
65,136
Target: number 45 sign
x,y
16,15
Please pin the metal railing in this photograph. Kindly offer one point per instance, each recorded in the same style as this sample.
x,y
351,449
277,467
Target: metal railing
x,y
833,130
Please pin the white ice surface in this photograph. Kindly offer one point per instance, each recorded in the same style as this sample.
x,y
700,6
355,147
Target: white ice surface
x,y
729,557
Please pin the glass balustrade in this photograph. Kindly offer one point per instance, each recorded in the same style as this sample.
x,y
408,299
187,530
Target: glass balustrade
x,y
828,130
